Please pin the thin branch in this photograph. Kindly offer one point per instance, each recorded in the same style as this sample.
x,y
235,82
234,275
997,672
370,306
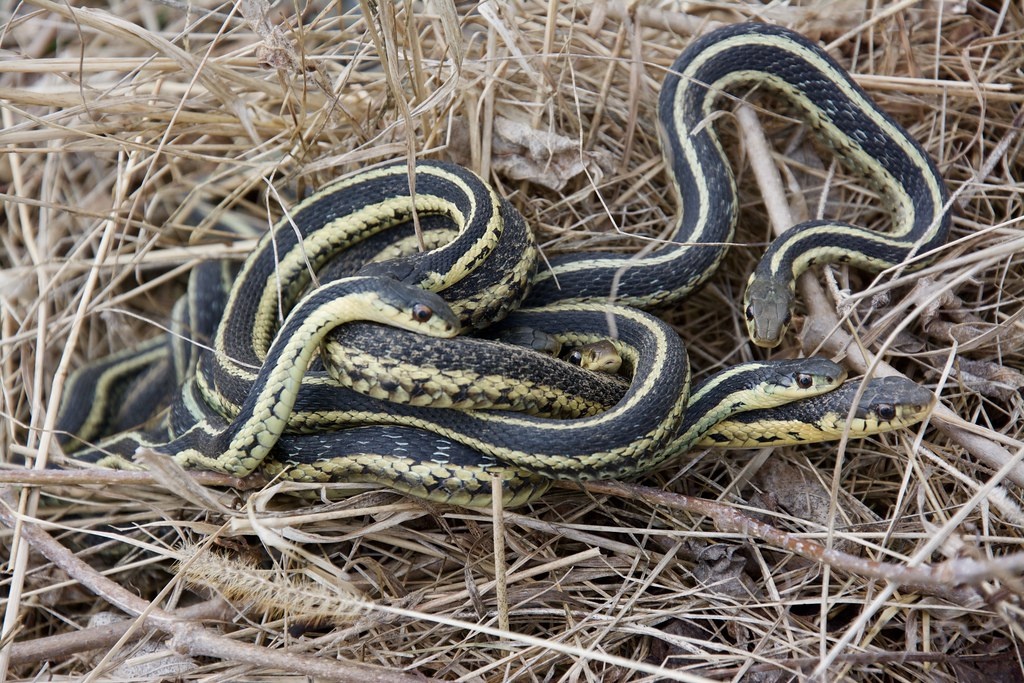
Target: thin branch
x,y
188,636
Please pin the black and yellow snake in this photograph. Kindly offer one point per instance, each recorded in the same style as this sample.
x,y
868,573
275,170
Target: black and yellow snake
x,y
435,419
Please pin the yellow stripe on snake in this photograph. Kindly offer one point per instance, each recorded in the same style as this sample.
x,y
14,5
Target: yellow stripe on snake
x,y
427,411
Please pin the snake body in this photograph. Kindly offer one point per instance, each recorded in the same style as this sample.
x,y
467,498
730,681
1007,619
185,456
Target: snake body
x,y
865,139
259,399
444,470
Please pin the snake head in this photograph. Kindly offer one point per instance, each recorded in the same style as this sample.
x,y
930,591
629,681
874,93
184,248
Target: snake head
x,y
768,310
400,270
887,403
410,308
410,270
798,378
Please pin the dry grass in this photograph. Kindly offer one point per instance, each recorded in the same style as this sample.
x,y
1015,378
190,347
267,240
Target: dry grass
x,y
116,122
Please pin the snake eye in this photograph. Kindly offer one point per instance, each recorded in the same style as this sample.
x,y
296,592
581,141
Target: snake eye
x,y
804,381
576,357
788,319
886,412
422,313
749,313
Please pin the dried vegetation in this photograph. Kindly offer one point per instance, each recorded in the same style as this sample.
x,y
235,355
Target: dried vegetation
x,y
130,129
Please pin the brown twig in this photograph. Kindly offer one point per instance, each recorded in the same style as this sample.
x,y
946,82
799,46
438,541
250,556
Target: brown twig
x,y
943,580
63,645
186,635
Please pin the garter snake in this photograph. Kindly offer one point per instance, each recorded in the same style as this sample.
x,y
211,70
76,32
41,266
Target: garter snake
x,y
619,441
866,140
882,404
445,471
253,393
